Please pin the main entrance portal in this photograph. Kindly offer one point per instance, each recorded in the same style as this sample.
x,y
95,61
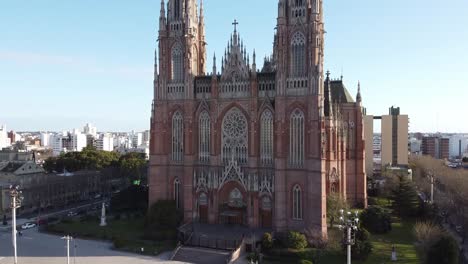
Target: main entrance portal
x,y
234,209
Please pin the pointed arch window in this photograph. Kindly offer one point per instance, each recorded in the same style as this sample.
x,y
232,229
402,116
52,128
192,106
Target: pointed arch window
x,y
177,63
298,55
177,9
266,138
204,123
296,139
297,203
177,137
177,193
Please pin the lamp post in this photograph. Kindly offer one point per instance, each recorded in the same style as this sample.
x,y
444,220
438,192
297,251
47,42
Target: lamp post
x,y
16,199
68,238
350,225
432,187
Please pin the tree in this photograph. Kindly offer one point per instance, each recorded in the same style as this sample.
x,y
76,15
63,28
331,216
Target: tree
x,y
134,198
88,159
335,203
444,251
133,166
376,219
162,220
405,197
362,245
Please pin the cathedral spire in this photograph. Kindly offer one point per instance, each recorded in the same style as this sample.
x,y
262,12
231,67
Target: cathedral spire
x,y
254,63
162,17
358,96
156,65
214,64
328,111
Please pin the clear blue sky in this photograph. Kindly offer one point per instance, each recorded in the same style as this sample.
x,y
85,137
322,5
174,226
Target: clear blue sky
x,y
64,63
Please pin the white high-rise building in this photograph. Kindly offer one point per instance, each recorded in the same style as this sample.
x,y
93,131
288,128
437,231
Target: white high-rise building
x,y
105,142
4,140
89,129
146,137
137,139
46,140
78,141
56,143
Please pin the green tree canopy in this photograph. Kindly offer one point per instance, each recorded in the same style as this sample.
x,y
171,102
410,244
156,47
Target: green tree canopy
x,y
133,166
88,159
335,203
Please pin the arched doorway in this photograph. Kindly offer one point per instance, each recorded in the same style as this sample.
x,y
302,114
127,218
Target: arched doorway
x,y
203,208
266,215
233,208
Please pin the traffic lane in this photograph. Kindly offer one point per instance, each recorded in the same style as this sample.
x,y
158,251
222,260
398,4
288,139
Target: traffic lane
x,y
32,244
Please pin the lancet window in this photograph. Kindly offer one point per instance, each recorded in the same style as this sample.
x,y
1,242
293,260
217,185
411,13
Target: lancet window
x,y
266,138
204,123
298,55
177,137
296,139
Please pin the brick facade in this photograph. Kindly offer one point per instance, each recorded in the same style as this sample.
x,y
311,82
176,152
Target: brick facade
x,y
252,193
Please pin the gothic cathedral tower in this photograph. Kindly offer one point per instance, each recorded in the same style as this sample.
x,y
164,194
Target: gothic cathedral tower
x,y
300,164
182,51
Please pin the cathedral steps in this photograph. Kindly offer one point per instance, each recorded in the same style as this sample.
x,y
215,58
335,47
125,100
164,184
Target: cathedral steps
x,y
201,255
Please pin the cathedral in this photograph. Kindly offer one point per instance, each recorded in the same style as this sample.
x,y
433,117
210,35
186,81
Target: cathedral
x,y
255,145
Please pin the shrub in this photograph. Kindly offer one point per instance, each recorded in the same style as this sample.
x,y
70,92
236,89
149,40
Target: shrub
x,y
362,245
119,242
376,219
162,221
427,234
253,257
267,241
444,251
315,238
304,261
296,240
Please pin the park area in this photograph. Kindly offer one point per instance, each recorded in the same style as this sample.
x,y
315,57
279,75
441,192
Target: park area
x,y
401,237
127,235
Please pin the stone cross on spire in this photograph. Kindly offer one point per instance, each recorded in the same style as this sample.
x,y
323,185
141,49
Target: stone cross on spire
x,y
235,23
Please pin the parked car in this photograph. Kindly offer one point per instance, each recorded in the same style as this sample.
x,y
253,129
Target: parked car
x,y
71,214
28,225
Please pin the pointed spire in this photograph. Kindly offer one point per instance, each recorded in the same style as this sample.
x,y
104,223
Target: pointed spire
x,y
358,96
162,17
222,64
201,16
254,64
156,65
328,111
214,64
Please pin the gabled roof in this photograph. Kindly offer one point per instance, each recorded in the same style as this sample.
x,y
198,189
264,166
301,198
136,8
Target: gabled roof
x,y
339,93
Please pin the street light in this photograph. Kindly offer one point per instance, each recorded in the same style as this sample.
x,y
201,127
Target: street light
x,y
350,226
16,199
68,238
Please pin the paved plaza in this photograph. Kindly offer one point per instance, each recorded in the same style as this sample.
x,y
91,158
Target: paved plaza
x,y
39,248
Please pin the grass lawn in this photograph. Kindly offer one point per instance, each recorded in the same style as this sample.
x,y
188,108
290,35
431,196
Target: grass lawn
x,y
401,236
129,233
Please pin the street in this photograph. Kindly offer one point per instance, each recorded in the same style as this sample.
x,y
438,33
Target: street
x,y
39,248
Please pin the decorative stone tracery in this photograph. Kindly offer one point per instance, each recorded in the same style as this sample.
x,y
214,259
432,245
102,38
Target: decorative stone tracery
x,y
234,137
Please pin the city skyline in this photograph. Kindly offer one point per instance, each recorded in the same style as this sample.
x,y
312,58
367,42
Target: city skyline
x,y
93,62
